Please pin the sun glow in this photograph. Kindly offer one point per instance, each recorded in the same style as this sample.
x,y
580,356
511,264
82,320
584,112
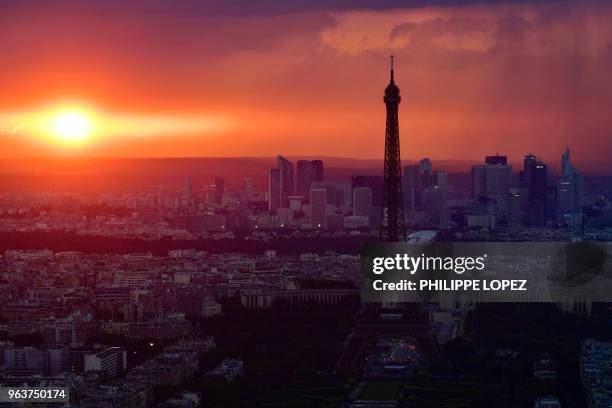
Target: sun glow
x,y
82,127
72,126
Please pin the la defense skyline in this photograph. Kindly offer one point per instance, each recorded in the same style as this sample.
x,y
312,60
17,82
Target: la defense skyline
x,y
499,196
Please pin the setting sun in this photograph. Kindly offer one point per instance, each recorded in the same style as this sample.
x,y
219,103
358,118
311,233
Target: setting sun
x,y
72,126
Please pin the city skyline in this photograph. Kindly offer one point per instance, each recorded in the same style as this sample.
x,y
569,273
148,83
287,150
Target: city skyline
x,y
200,205
512,77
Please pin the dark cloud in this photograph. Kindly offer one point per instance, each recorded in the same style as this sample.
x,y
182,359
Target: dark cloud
x,y
243,7
511,34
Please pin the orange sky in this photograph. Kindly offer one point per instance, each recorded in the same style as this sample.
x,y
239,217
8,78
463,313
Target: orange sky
x,y
184,78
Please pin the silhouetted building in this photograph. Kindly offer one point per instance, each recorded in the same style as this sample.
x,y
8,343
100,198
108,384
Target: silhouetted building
x,y
375,184
286,180
248,185
569,201
338,193
423,186
362,201
410,181
490,184
496,160
318,208
308,171
540,195
219,186
274,189
187,187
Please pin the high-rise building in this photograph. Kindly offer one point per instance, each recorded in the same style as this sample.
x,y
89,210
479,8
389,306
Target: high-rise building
x,y
491,182
534,178
434,197
248,185
496,160
318,208
425,166
286,180
375,183
569,198
187,187
219,186
188,197
362,201
411,186
274,189
441,179
308,171
421,184
338,193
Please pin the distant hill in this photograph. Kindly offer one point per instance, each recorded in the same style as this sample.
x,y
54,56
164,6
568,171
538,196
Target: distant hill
x,y
95,174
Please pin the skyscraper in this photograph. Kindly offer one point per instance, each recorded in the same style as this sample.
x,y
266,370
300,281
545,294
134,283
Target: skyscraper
x,y
219,189
422,184
274,189
286,180
491,181
496,160
219,186
187,187
308,171
411,186
534,178
569,199
248,185
188,192
362,201
392,226
373,182
318,208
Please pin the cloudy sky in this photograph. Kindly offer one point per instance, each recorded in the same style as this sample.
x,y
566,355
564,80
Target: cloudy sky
x,y
306,77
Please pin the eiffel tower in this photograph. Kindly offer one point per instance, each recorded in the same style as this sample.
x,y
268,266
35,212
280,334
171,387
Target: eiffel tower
x,y
392,227
375,320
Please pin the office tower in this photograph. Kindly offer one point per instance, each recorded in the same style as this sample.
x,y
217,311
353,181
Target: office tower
x,y
534,178
286,180
569,200
248,185
187,187
274,189
219,186
317,170
433,198
425,166
362,201
421,182
491,182
338,193
410,180
517,203
496,160
375,183
318,208
308,171
392,227
441,179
